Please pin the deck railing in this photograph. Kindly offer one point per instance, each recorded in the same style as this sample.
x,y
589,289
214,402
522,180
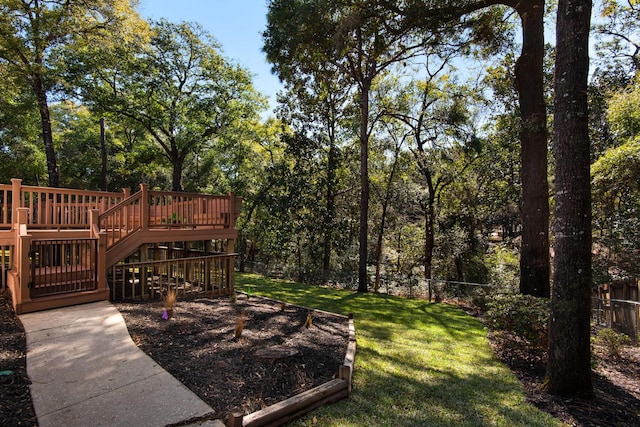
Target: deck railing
x,y
210,274
63,266
64,208
122,220
53,208
171,209
6,216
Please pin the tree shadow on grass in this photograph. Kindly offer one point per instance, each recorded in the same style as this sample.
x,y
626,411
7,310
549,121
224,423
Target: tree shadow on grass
x,y
417,363
388,391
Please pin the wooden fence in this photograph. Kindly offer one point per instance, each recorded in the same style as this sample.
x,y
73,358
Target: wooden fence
x,y
625,289
620,315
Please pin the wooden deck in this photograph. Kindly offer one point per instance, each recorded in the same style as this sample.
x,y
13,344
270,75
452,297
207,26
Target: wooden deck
x,y
61,243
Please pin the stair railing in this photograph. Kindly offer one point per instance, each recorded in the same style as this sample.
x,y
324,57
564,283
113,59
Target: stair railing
x,y
123,219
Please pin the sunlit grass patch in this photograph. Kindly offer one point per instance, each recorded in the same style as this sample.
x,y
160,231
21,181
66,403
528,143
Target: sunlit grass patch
x,y
417,364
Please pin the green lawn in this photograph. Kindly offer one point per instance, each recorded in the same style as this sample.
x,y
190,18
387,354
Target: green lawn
x,y
417,364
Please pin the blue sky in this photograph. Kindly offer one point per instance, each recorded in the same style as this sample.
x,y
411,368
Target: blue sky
x,y
236,24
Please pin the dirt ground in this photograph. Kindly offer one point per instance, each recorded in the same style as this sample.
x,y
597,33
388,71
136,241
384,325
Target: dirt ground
x,y
199,347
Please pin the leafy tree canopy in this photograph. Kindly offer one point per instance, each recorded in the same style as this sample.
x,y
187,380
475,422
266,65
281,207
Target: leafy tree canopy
x,y
180,89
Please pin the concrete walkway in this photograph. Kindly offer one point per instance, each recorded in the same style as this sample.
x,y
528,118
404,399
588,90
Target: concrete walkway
x,y
86,371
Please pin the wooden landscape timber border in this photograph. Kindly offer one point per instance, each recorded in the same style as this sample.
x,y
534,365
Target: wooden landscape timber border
x,y
298,405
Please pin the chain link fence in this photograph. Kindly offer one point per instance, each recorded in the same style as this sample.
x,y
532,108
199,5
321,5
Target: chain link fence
x,y
395,284
620,315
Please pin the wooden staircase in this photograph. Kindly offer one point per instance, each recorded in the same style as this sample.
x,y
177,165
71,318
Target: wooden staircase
x,y
62,242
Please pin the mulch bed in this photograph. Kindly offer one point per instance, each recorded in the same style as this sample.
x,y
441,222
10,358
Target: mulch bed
x,y
16,408
616,382
278,354
199,348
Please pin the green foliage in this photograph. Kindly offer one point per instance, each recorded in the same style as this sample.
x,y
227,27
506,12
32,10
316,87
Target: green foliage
x,y
525,316
37,40
21,151
616,190
618,38
180,89
503,263
612,341
78,137
624,112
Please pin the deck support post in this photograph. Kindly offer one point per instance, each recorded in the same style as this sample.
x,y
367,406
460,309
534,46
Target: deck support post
x,y
144,206
230,267
101,262
230,246
21,291
207,268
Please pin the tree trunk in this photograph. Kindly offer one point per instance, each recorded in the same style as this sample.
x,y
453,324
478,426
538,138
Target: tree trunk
x,y
534,251
364,191
429,240
176,176
568,367
47,133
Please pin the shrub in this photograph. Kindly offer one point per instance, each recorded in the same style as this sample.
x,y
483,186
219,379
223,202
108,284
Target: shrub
x,y
503,262
479,299
612,341
523,315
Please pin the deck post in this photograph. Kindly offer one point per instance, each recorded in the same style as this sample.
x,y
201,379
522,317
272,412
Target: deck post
x,y
229,246
207,267
101,263
23,246
144,206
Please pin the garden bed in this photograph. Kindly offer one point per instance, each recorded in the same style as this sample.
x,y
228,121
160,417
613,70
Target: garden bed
x,y
276,357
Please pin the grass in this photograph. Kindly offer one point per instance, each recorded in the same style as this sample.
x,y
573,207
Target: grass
x,y
417,364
